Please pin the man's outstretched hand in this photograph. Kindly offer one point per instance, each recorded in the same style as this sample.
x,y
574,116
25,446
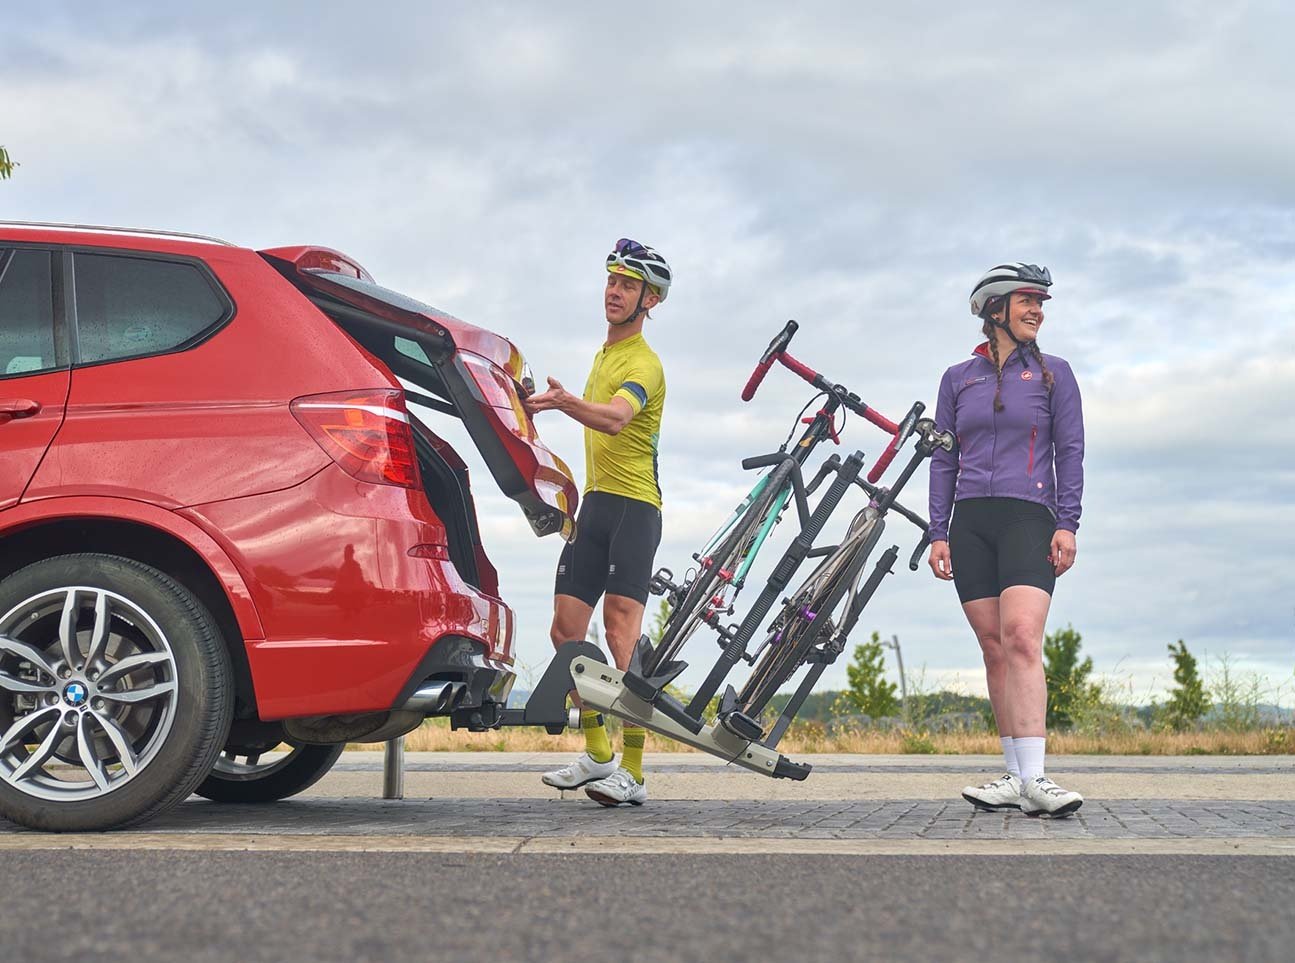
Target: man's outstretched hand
x,y
556,397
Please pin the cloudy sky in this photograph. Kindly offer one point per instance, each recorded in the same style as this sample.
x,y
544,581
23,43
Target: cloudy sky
x,y
852,166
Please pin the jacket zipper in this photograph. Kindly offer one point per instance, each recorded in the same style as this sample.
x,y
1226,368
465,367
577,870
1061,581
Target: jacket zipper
x,y
1034,433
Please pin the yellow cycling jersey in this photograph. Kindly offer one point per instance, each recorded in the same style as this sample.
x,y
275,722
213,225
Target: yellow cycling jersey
x,y
626,463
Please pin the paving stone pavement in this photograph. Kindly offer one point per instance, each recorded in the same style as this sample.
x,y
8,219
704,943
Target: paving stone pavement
x,y
973,768
838,819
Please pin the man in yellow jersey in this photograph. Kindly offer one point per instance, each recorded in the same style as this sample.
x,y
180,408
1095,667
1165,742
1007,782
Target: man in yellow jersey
x,y
619,526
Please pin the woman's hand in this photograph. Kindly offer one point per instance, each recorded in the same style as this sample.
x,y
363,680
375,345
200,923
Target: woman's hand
x,y
1062,555
941,561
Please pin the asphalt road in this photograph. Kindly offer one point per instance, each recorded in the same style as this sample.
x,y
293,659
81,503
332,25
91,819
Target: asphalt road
x,y
144,906
1177,859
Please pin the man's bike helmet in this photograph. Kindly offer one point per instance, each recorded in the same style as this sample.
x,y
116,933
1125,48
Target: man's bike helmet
x,y
640,261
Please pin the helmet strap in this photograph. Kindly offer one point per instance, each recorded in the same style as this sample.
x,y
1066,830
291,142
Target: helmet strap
x,y
1006,325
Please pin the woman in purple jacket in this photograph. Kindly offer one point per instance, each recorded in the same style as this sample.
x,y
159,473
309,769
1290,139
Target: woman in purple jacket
x,y
1016,481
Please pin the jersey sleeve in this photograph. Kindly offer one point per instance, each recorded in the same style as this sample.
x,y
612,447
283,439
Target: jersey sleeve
x,y
643,381
944,464
1068,441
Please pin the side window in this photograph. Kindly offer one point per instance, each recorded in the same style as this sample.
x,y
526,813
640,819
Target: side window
x,y
26,313
127,307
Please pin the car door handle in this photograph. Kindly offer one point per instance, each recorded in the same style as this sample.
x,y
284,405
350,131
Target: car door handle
x,y
11,408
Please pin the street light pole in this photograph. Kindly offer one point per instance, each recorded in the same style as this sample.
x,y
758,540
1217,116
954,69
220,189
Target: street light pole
x,y
893,643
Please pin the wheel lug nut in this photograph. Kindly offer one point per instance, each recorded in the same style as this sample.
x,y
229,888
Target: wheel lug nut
x,y
69,718
64,673
97,703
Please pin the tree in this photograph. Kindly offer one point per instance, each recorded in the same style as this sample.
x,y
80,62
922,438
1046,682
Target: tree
x,y
7,164
1069,690
659,619
1189,700
869,691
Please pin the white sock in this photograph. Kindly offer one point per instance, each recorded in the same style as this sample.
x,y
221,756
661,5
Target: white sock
x,y
1029,755
1009,754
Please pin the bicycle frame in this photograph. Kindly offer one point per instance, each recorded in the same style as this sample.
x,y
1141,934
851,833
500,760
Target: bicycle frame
x,y
820,429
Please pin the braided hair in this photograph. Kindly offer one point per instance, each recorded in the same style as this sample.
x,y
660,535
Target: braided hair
x,y
1032,347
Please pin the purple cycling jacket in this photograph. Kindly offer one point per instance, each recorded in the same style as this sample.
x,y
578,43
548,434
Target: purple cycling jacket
x,y
1033,449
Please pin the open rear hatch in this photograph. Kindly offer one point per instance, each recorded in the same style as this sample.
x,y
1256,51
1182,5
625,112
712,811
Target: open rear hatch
x,y
468,372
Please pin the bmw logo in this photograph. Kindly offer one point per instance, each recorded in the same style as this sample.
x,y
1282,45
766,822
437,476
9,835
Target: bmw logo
x,y
75,694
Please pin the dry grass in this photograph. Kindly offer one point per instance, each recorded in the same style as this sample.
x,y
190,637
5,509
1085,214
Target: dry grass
x,y
435,736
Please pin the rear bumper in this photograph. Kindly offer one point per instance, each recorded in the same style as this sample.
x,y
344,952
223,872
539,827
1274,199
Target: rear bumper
x,y
351,618
460,660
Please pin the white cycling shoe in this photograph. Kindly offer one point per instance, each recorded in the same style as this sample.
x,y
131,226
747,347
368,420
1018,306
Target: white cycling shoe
x,y
1002,793
580,773
619,787
1043,797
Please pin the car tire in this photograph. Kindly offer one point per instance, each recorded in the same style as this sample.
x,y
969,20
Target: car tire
x,y
232,781
115,693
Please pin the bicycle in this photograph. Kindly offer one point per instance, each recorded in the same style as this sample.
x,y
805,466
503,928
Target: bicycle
x,y
727,558
817,619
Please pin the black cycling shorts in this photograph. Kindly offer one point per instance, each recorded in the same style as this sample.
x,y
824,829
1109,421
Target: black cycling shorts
x,y
998,542
616,543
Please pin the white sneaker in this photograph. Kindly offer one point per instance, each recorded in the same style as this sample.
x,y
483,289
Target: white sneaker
x,y
1003,793
1043,797
619,787
581,772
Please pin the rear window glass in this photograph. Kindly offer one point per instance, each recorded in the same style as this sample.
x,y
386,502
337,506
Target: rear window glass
x,y
128,307
412,349
26,313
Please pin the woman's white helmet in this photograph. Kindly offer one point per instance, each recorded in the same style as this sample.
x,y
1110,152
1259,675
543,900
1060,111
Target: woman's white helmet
x,y
1004,279
642,262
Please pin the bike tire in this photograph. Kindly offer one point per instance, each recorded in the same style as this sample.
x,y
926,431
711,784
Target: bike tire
x,y
779,662
686,617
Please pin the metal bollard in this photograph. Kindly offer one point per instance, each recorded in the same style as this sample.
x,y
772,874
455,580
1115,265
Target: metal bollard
x,y
393,769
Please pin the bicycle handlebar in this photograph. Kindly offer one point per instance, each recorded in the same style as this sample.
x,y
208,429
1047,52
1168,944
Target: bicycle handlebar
x,y
771,354
901,436
777,351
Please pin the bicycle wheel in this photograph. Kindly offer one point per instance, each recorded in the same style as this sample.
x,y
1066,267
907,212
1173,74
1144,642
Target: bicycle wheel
x,y
811,614
688,615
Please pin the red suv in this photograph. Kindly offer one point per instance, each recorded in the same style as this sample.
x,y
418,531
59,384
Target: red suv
x,y
221,526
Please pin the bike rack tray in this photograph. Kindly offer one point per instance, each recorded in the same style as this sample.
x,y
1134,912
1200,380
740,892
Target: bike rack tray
x,y
602,687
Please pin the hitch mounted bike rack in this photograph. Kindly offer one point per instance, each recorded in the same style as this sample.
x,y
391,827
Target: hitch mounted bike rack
x,y
602,687
547,705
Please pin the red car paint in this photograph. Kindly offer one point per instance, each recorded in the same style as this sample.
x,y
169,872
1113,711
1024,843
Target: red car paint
x,y
339,586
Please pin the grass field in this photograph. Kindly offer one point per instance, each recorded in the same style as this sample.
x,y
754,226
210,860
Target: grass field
x,y
435,736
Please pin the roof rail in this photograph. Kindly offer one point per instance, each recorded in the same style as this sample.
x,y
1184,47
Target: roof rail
x,y
99,228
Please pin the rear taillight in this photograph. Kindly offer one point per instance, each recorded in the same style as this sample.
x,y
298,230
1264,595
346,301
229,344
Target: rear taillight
x,y
366,432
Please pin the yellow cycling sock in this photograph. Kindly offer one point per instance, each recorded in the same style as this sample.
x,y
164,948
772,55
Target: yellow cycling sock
x,y
632,759
597,744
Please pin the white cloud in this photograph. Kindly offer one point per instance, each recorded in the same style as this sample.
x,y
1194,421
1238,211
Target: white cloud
x,y
848,166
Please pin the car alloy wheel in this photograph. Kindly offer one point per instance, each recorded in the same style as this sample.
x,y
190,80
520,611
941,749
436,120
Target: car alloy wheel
x,y
90,693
